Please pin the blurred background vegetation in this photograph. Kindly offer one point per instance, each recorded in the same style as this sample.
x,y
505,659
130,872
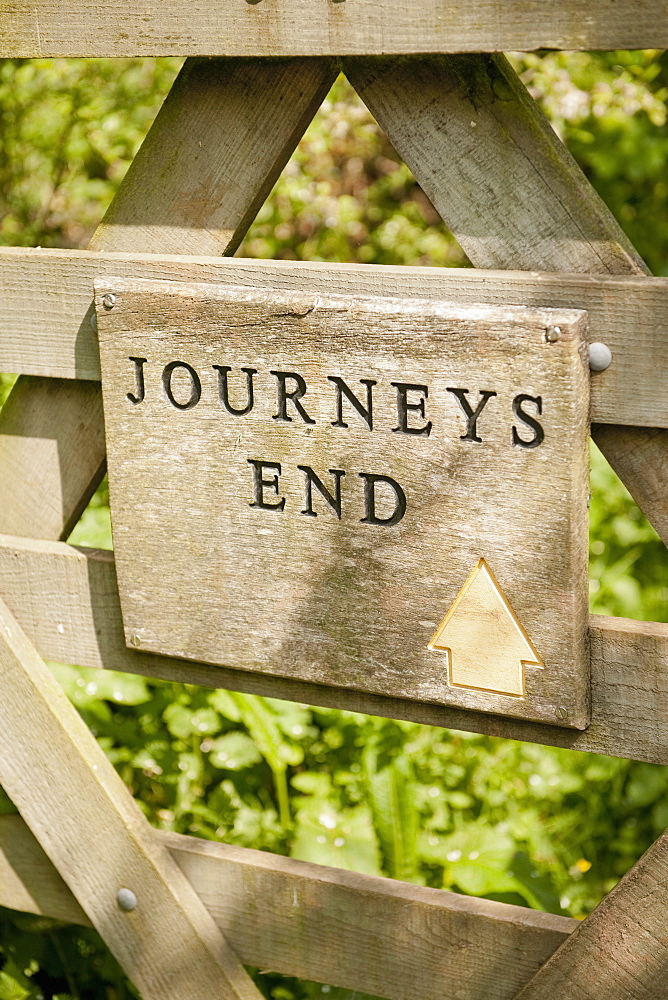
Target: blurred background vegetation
x,y
535,826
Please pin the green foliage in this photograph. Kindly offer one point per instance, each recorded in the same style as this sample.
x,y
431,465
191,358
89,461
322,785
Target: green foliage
x,y
611,109
627,560
539,827
70,128
346,196
48,960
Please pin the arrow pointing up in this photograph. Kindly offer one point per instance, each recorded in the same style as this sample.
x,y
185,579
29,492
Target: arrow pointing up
x,y
486,645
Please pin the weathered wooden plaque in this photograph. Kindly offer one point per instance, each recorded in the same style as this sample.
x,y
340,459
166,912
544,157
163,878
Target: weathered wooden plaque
x,y
369,493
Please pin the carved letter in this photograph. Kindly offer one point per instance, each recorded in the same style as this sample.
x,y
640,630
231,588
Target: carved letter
x,y
342,390
195,385
371,517
259,483
539,433
139,379
471,414
223,389
294,396
311,480
403,406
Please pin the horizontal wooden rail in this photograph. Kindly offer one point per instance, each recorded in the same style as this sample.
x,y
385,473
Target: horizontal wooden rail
x,y
324,27
46,310
360,932
66,599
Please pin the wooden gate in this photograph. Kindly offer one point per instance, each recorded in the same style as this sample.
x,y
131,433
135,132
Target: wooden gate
x,y
182,915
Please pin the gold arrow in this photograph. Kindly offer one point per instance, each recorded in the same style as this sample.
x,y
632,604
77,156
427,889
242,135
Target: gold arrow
x,y
487,647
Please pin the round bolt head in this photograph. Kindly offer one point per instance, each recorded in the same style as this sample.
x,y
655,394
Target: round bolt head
x,y
561,713
600,357
552,334
126,899
108,300
135,640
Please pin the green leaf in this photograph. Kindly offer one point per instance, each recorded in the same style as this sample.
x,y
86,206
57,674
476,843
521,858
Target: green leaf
x,y
224,703
234,751
84,686
338,838
263,726
276,750
183,722
317,783
477,860
648,784
14,985
395,815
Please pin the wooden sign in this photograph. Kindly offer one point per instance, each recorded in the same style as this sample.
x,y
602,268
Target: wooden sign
x,y
372,493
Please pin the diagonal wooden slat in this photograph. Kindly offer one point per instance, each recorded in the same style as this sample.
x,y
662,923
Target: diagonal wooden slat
x,y
509,190
97,837
491,164
355,931
52,454
223,135
620,952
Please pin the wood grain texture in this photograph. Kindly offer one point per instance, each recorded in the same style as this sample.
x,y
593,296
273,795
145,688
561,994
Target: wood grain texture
x,y
620,951
220,140
47,476
224,133
358,932
324,542
29,881
66,599
491,164
97,837
45,321
508,188
321,27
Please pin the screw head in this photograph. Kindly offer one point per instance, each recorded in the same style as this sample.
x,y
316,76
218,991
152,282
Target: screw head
x,y
561,712
600,357
108,300
126,899
552,334
135,640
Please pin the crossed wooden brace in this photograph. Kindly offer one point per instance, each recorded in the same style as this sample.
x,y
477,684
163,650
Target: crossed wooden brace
x,y
513,197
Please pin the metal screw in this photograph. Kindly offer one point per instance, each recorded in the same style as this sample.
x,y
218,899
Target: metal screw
x,y
126,899
600,357
552,334
561,713
135,640
108,300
